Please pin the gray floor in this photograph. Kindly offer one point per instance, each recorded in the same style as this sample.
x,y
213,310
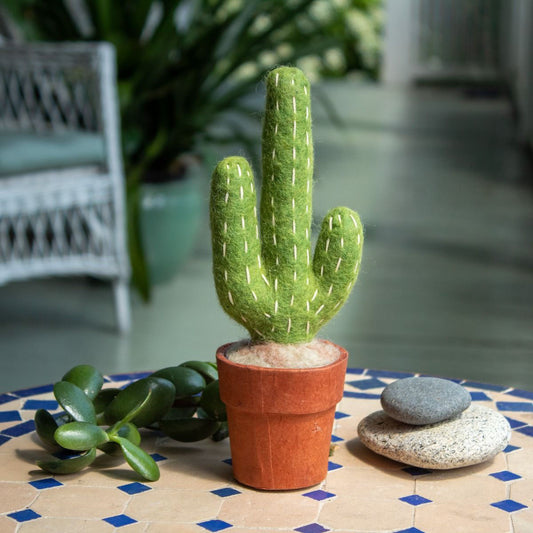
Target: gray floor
x,y
446,285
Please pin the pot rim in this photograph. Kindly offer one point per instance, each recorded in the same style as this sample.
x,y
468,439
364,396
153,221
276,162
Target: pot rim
x,y
343,355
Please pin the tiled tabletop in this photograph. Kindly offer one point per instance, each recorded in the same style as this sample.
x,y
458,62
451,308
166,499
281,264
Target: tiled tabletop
x,y
196,492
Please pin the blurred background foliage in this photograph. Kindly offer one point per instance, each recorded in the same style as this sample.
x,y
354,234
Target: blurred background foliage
x,y
185,68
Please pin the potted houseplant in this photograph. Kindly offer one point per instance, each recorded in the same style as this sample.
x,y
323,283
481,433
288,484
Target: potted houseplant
x,y
184,68
281,397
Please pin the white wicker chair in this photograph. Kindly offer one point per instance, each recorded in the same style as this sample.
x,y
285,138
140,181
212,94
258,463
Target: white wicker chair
x,y
66,216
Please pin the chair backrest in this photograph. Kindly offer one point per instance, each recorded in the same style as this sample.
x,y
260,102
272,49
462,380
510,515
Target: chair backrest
x,y
52,86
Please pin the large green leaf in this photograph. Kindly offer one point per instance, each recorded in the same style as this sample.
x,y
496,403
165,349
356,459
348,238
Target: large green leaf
x,y
68,466
87,378
187,381
150,398
45,426
80,436
75,402
138,459
188,429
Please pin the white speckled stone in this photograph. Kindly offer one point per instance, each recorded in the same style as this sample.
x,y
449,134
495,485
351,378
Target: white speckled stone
x,y
422,401
474,436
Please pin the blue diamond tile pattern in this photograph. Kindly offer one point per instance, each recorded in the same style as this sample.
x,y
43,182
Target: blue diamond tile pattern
x,y
319,495
515,423
20,429
355,370
311,528
10,416
333,466
528,395
4,439
157,457
510,506
389,374
214,525
416,471
510,448
410,530
483,386
339,415
24,393
334,438
527,430
505,475
24,516
519,407
46,483
228,461
33,405
5,398
134,488
225,492
119,520
478,396
361,395
415,499
366,384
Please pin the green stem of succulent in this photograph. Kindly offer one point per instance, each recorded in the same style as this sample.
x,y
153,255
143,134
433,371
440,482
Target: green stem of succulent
x,y
266,276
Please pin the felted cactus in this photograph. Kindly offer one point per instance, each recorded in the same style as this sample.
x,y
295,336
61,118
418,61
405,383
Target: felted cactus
x,y
264,274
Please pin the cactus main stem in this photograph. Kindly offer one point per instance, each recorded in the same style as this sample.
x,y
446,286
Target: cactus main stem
x,y
265,275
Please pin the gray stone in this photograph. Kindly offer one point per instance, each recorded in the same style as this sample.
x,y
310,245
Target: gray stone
x,y
423,401
476,435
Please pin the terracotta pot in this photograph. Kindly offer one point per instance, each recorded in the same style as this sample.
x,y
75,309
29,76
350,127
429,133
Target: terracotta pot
x,y
280,421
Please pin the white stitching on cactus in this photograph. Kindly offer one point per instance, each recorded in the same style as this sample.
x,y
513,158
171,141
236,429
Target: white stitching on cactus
x,y
225,275
315,294
277,78
308,257
338,264
276,307
267,315
294,226
289,325
294,129
259,260
241,192
247,275
254,295
276,284
239,170
295,250
292,300
354,221
319,309
245,246
225,227
224,249
327,245
322,271
307,305
230,298
243,223
265,279
330,223
293,176
226,198
330,290
342,242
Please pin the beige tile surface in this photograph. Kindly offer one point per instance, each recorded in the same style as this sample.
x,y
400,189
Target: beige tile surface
x,y
363,495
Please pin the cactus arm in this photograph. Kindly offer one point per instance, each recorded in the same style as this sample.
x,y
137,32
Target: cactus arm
x,y
337,260
239,275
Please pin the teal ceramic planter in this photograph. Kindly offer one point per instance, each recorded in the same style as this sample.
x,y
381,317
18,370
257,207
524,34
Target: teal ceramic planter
x,y
170,218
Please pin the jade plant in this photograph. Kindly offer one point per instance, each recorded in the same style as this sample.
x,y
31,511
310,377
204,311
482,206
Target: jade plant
x,y
266,276
108,419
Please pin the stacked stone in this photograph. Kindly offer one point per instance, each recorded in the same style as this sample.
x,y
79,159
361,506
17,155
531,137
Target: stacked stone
x,y
430,423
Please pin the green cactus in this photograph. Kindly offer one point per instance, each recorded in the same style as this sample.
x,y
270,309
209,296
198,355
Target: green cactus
x,y
264,274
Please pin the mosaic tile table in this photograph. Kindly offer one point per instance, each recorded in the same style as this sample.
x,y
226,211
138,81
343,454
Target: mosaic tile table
x,y
196,492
